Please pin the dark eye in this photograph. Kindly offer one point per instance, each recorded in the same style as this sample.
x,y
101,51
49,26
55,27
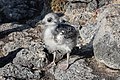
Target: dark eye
x,y
49,19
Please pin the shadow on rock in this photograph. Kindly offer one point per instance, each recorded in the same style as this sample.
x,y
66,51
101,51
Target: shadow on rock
x,y
4,33
83,52
9,58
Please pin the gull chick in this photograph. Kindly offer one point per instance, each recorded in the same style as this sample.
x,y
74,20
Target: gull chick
x,y
58,36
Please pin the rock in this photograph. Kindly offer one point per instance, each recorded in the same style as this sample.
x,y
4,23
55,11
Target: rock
x,y
7,29
88,32
77,71
24,54
89,5
79,14
92,5
78,17
7,26
1,43
2,78
14,71
107,40
118,78
85,21
69,5
15,10
28,39
23,65
34,56
81,0
103,2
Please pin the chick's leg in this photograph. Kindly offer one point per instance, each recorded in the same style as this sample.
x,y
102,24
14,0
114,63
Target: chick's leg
x,y
68,57
54,56
53,62
65,65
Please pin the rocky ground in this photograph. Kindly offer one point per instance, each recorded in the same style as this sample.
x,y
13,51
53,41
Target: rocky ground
x,y
22,52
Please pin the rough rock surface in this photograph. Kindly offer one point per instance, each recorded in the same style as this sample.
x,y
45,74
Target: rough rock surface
x,y
107,40
14,10
89,5
14,71
88,32
22,50
77,71
84,16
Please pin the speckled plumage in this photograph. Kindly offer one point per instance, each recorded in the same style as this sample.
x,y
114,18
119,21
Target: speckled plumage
x,y
58,36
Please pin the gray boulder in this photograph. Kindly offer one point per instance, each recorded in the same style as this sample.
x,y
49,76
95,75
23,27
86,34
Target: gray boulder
x,y
107,40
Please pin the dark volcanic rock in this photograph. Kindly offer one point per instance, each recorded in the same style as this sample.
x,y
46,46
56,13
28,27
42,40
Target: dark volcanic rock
x,y
14,10
107,41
